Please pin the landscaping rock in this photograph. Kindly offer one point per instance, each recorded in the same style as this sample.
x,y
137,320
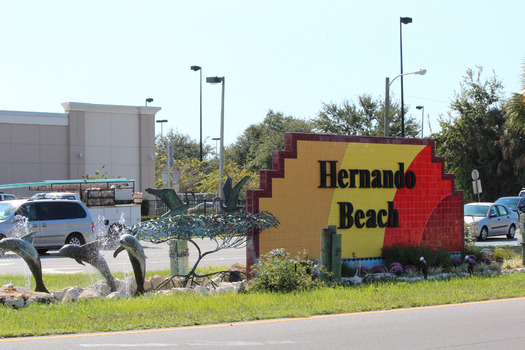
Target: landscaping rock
x,y
89,293
117,295
71,294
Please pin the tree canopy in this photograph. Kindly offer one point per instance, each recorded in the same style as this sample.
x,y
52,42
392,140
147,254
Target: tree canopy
x,y
366,118
473,137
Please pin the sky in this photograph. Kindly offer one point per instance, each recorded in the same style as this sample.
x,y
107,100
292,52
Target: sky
x,y
289,56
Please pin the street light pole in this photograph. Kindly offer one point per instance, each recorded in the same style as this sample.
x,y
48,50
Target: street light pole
x,y
167,151
402,20
148,100
216,80
387,98
422,117
198,68
216,139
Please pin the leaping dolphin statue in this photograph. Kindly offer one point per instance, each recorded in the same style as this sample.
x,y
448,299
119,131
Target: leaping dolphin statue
x,y
169,197
89,253
231,196
136,256
23,247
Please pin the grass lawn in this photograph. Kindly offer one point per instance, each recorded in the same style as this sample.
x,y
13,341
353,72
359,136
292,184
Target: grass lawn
x,y
155,311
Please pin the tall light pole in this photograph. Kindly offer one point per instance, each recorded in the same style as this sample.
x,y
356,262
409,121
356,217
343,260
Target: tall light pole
x,y
216,80
162,124
402,20
167,151
387,99
422,117
198,68
216,139
148,100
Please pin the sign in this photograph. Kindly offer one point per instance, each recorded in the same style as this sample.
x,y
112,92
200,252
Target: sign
x,y
377,191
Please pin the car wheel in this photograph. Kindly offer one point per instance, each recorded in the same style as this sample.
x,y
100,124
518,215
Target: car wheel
x,y
2,253
483,234
512,232
75,238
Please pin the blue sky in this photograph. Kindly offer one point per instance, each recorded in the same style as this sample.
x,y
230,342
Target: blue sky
x,y
288,55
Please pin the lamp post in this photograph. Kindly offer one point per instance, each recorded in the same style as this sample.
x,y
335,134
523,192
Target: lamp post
x,y
216,80
148,100
216,139
387,99
162,124
422,117
167,151
402,20
199,68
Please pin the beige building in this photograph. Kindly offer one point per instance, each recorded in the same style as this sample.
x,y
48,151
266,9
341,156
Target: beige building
x,y
119,141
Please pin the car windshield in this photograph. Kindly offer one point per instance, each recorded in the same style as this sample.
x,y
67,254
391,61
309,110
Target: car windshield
x,y
476,210
6,209
510,202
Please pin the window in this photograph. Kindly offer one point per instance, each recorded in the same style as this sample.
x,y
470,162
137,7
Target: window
x,y
59,211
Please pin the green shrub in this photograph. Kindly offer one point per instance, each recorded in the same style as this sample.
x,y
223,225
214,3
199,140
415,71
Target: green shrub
x,y
278,271
347,270
410,255
500,254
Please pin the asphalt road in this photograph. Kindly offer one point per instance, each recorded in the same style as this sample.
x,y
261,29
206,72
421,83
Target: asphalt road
x,y
483,325
157,259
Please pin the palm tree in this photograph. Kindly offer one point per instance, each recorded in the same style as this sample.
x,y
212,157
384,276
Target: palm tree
x,y
515,107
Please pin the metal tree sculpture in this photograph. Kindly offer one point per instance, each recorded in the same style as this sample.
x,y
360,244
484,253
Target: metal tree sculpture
x,y
228,230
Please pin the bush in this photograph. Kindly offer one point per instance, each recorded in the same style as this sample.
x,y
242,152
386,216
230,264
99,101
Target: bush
x,y
379,269
277,271
347,270
410,255
500,254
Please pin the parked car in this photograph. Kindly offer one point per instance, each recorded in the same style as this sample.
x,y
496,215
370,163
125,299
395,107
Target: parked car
x,y
491,219
517,204
6,196
56,221
57,195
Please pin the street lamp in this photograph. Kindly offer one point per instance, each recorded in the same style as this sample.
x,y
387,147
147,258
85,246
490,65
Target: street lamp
x,y
148,100
402,20
216,80
216,139
198,68
162,124
162,121
422,117
387,98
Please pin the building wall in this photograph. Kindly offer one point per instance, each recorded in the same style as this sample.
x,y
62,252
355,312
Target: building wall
x,y
118,141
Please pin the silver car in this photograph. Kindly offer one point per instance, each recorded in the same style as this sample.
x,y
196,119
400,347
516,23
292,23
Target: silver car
x,y
56,221
491,219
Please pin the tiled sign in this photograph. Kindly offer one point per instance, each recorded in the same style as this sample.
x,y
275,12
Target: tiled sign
x,y
377,191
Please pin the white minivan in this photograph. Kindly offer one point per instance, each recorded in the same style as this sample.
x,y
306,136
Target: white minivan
x,y
56,221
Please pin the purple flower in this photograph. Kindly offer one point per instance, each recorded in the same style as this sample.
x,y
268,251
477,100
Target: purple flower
x,y
379,269
364,269
396,268
486,260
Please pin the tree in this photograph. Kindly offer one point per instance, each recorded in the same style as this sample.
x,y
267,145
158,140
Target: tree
x,y
365,118
253,149
515,107
471,138
185,150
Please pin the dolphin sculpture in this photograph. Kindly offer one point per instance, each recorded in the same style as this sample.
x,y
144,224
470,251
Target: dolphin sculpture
x,y
231,196
23,247
169,197
89,253
136,256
